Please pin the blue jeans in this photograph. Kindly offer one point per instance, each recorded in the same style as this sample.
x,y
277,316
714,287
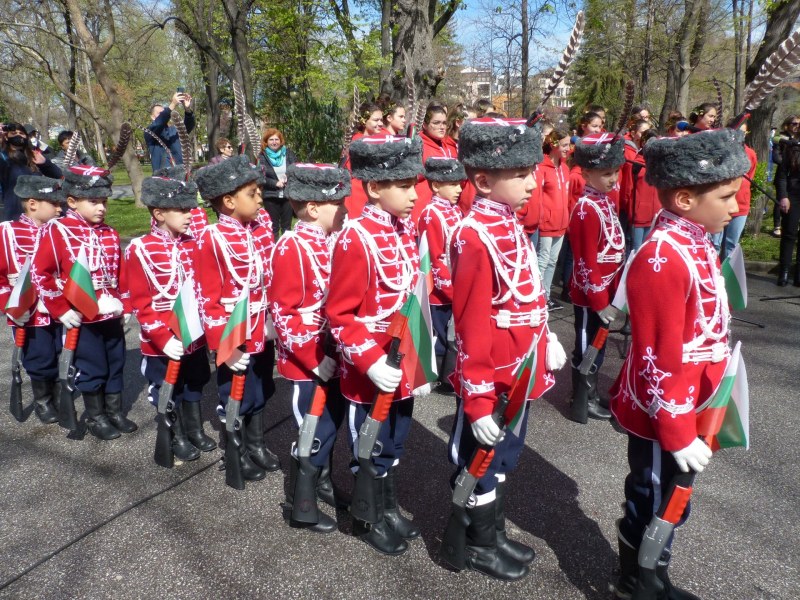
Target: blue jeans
x,y
731,235
639,234
549,247
716,239
534,238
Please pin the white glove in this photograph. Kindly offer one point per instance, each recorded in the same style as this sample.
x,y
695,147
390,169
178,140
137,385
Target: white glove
x,y
385,378
695,456
125,318
326,369
24,318
608,314
173,348
71,319
486,431
238,362
555,358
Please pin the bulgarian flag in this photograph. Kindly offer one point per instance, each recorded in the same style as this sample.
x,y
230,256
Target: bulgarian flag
x,y
620,301
524,380
425,262
23,296
235,332
726,419
185,318
79,289
417,342
735,280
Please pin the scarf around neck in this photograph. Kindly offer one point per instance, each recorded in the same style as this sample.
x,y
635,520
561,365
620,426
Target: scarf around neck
x,y
275,157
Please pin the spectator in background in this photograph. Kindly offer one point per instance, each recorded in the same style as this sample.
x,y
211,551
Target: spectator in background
x,y
671,126
225,150
704,116
790,129
82,158
167,133
787,185
273,160
36,141
19,158
483,106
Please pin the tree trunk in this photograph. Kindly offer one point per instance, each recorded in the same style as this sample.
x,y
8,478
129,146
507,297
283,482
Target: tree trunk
x,y
644,85
740,60
686,50
210,73
386,39
525,68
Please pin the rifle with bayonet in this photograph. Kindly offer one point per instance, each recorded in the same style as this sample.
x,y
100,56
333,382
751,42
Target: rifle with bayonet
x,y
163,455
15,403
304,495
233,425
66,373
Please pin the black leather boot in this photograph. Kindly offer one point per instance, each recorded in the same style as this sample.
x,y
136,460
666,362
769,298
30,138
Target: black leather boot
x,y
114,412
796,282
519,552
597,408
579,409
250,470
783,276
379,535
259,453
324,524
482,553
44,401
327,491
672,592
391,513
181,447
193,422
628,569
96,420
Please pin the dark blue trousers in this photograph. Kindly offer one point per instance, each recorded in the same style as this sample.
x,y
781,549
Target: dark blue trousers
x,y
506,453
393,433
329,422
195,373
651,471
41,350
440,317
100,356
587,322
258,384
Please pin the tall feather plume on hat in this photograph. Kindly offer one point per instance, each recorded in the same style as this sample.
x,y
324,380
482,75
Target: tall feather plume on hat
x,y
125,134
352,125
627,106
416,107
778,66
247,130
186,142
561,70
71,154
159,141
719,121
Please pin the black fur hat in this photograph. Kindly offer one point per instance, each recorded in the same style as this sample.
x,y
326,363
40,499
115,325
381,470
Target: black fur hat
x,y
441,169
495,144
226,177
39,187
699,158
162,192
87,182
306,182
386,158
600,151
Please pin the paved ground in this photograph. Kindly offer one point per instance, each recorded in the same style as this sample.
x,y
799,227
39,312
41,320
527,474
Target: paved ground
x,y
90,519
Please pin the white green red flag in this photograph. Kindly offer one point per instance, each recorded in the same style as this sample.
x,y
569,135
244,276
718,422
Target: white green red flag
x,y
620,301
185,318
524,380
235,333
23,295
417,343
735,279
79,288
725,422
425,266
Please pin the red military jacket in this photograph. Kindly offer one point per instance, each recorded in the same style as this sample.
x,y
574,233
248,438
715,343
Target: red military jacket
x,y
375,267
18,241
598,247
430,148
58,250
499,307
358,197
679,317
155,268
301,267
198,223
437,222
231,256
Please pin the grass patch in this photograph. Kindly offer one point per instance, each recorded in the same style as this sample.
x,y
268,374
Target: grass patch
x,y
763,247
131,220
121,176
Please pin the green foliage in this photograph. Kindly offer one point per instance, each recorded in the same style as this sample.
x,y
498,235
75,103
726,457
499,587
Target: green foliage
x,y
312,128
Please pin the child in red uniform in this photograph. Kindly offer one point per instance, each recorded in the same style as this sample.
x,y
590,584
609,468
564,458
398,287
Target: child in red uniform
x,y
302,259
375,268
41,199
436,223
598,247
155,269
233,256
100,354
500,310
679,316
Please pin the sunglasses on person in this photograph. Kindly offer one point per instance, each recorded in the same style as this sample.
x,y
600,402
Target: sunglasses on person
x,y
794,123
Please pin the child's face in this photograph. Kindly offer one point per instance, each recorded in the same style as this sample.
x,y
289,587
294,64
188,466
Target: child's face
x,y
713,209
92,209
245,202
174,220
42,211
603,180
330,216
447,190
397,119
509,186
395,197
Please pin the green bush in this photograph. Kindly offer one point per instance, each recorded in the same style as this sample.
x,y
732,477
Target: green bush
x,y
312,128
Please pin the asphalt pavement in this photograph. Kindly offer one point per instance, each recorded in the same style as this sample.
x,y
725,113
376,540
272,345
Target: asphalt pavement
x,y
81,518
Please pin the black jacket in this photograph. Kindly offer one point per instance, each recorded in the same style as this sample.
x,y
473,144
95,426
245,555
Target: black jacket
x,y
270,188
9,172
